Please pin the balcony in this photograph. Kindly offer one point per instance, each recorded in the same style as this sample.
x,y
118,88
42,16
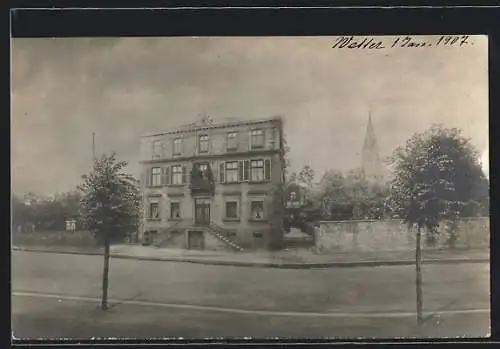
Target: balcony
x,y
202,182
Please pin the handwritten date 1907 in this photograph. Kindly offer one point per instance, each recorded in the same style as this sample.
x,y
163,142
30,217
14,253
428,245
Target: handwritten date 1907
x,y
350,42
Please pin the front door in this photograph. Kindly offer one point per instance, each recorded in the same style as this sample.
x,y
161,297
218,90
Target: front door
x,y
202,212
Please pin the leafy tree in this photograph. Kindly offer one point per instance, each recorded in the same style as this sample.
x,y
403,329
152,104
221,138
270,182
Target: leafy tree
x,y
110,206
21,213
306,175
436,175
49,213
292,178
332,197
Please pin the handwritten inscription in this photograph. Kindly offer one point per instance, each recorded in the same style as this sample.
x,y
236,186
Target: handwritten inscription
x,y
374,43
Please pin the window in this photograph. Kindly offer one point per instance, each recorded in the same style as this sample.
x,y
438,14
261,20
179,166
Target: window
x,y
232,140
177,175
243,169
273,136
157,149
175,210
257,138
232,171
257,170
177,146
156,176
231,209
154,210
203,144
257,210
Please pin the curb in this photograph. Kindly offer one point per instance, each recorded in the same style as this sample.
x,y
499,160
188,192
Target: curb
x,y
276,265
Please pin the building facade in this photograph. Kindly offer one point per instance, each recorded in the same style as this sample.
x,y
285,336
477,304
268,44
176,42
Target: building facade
x,y
211,186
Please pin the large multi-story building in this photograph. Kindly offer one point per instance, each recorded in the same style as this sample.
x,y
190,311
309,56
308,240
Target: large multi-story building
x,y
210,186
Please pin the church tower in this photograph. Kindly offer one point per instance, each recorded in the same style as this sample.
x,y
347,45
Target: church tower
x,y
370,158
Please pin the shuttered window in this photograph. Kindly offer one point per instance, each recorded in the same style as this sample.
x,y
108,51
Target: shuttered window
x,y
177,175
257,170
246,170
184,175
165,177
231,172
222,170
243,170
156,176
240,171
267,170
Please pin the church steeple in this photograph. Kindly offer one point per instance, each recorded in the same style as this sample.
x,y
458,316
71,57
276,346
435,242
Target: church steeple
x,y
370,139
370,161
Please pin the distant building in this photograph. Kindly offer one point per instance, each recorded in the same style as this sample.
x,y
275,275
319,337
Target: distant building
x,y
70,225
208,180
370,158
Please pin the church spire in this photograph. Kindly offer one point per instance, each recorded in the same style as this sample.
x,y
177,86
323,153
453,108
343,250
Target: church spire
x,y
370,162
370,138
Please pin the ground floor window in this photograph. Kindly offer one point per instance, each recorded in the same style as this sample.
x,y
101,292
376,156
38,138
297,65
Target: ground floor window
x,y
231,209
258,240
175,210
154,210
257,210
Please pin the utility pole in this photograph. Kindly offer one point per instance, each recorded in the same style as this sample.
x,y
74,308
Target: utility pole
x,y
418,263
93,146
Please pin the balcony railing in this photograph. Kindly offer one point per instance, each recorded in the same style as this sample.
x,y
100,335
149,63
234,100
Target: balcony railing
x,y
202,183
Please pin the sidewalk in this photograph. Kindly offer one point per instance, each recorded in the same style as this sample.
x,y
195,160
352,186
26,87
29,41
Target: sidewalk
x,y
292,258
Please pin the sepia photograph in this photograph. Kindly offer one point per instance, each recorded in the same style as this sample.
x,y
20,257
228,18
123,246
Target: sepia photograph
x,y
265,187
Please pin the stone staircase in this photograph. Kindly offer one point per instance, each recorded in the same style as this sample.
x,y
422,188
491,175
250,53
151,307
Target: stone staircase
x,y
220,233
298,239
167,234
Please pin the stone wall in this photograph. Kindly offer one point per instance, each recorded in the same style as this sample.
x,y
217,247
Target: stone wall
x,y
393,235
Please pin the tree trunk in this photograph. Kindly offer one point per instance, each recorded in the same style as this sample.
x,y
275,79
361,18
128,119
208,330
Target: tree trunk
x,y
418,263
105,273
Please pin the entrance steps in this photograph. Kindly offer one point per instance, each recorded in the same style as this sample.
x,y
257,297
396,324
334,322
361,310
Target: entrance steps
x,y
220,233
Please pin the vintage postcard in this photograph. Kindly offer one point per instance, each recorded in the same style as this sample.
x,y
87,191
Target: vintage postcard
x,y
298,187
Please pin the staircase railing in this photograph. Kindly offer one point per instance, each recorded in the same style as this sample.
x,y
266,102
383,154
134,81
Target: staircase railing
x,y
166,234
218,232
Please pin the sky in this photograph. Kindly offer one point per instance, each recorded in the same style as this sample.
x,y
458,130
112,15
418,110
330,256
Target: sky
x,y
63,89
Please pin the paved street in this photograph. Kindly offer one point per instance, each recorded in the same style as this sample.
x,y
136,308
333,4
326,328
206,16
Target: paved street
x,y
194,300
